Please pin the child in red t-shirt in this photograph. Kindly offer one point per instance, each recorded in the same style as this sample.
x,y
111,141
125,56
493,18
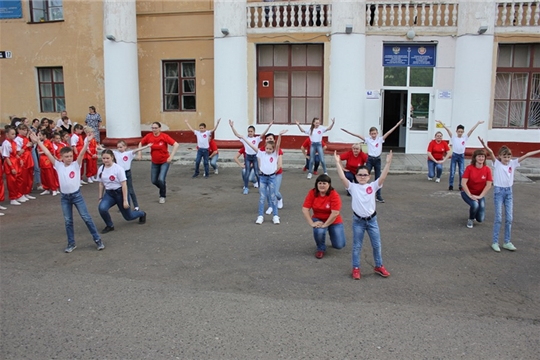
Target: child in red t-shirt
x,y
475,183
438,151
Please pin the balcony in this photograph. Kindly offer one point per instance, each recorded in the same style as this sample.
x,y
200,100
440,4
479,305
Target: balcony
x,y
517,17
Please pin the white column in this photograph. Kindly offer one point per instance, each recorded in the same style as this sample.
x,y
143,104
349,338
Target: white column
x,y
230,67
473,68
121,69
347,68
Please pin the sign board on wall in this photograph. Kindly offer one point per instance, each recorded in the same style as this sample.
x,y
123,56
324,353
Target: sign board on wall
x,y
5,54
415,55
10,9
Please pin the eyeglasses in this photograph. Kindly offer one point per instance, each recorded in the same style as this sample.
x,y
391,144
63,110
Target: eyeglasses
x,y
362,175
154,128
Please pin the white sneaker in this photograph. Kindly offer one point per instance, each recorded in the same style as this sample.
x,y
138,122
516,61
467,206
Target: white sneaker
x,y
1,214
309,175
30,197
269,211
39,188
259,220
216,171
255,185
430,179
438,180
54,193
14,202
275,219
162,200
46,192
3,208
22,199
136,208
83,182
280,203
90,180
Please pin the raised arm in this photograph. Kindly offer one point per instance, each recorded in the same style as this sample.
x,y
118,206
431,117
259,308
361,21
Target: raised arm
x,y
298,124
474,127
489,151
189,126
268,128
384,173
331,125
234,130
249,143
80,158
340,172
217,124
392,129
278,142
43,148
353,134
445,127
530,153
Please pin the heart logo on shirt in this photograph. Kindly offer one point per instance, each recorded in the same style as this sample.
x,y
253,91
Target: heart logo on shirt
x,y
319,132
510,170
253,142
72,174
204,136
271,159
161,143
328,206
483,177
125,158
463,143
369,190
112,178
377,145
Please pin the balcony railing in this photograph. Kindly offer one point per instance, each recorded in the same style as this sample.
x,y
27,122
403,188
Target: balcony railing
x,y
404,13
518,13
286,15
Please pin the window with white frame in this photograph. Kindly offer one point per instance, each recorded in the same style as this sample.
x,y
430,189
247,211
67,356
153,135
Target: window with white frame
x,y
51,89
517,87
179,92
46,10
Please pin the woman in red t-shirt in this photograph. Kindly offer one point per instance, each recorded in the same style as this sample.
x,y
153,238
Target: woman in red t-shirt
x,y
325,205
354,158
438,151
161,159
476,182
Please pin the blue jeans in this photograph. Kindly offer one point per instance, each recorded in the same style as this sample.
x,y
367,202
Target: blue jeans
x,y
336,232
111,198
372,228
458,159
316,163
316,148
249,161
213,161
350,176
503,196
432,167
67,201
267,189
279,178
131,191
375,162
251,176
37,170
477,208
201,154
158,173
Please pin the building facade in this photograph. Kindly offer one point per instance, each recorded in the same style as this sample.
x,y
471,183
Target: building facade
x,y
364,63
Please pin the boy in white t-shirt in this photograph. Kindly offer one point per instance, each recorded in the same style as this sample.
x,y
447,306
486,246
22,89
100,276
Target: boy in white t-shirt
x,y
69,179
203,146
458,144
365,216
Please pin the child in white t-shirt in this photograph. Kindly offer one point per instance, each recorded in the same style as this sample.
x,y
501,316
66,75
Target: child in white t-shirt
x,y
203,146
315,133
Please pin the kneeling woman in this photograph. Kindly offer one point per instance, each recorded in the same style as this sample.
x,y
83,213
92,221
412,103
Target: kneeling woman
x,y
325,204
113,191
476,182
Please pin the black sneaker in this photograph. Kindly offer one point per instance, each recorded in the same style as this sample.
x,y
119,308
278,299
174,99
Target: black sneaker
x,y
70,248
380,199
142,219
450,188
107,229
100,245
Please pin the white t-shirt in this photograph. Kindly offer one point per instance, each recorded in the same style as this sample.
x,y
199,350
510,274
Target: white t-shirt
x,y
256,140
459,144
363,198
124,158
374,146
317,134
111,177
74,139
503,175
61,122
19,141
6,149
268,163
203,139
69,177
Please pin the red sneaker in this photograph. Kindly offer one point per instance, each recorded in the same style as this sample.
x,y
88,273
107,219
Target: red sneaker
x,y
381,271
314,173
356,273
319,254
304,169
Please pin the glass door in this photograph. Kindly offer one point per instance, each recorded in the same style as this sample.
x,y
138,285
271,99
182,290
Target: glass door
x,y
418,120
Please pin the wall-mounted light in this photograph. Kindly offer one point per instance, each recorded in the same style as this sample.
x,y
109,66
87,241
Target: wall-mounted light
x,y
110,37
348,29
411,34
225,31
482,29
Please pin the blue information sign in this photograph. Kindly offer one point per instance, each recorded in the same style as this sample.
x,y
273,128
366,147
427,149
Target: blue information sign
x,y
421,55
10,9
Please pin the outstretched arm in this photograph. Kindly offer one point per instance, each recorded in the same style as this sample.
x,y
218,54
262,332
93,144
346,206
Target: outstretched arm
x,y
234,130
217,124
331,125
268,128
530,153
298,124
353,134
141,148
85,147
489,151
278,143
43,148
392,129
189,126
445,127
386,168
474,127
340,172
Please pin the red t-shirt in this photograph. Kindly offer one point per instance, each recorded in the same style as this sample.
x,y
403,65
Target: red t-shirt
x,y
438,150
322,206
159,151
477,178
354,162
212,146
307,145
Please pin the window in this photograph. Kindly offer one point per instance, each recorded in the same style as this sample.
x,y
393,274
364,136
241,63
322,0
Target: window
x,y
517,87
51,89
411,76
179,85
296,83
46,10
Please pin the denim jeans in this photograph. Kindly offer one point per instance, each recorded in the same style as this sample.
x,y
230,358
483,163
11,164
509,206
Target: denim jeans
x,y
251,176
316,163
279,178
432,167
503,196
115,197
458,159
267,189
250,160
158,173
131,192
316,148
213,161
67,201
351,177
37,170
477,208
201,154
336,232
375,162
372,228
